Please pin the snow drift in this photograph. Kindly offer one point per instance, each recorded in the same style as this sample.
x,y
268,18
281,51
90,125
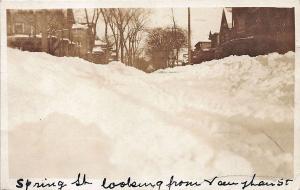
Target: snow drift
x,y
229,116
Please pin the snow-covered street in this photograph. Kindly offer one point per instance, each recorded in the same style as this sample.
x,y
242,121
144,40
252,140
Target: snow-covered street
x,y
230,116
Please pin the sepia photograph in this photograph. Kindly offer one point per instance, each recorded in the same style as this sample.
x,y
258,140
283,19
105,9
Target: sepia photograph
x,y
150,92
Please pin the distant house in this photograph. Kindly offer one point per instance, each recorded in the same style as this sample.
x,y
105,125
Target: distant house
x,y
203,52
101,52
82,35
214,38
203,45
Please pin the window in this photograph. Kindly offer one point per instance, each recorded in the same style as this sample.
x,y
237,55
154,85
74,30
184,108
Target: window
x,y
19,28
31,30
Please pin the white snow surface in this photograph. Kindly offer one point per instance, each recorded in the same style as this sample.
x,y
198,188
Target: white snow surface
x,y
224,117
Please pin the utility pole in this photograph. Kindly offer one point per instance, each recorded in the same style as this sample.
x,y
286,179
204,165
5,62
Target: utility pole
x,y
175,40
189,37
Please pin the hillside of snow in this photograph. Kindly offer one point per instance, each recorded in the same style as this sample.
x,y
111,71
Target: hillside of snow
x,y
230,116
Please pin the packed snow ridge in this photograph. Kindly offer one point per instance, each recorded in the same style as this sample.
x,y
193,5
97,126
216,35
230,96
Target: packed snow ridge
x,y
229,116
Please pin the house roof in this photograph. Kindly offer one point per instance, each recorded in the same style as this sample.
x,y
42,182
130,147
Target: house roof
x,y
202,42
228,16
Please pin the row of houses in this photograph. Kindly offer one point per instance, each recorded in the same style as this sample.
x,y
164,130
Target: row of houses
x,y
249,31
54,31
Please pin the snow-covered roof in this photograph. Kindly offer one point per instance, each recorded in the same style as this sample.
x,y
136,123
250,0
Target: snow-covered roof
x,y
66,39
99,43
203,42
97,49
27,36
79,26
19,36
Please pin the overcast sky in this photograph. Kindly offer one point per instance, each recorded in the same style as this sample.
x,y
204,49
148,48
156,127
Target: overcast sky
x,y
202,21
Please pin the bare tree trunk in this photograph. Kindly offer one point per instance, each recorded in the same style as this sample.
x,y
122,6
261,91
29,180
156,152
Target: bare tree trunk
x,y
117,46
177,56
122,45
44,32
106,27
130,52
116,38
86,17
35,24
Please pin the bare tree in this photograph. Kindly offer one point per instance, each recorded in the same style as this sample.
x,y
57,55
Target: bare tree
x,y
92,23
108,20
126,26
160,45
135,29
121,18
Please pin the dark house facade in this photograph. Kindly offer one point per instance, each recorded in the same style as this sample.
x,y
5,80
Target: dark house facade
x,y
256,31
54,31
253,31
42,30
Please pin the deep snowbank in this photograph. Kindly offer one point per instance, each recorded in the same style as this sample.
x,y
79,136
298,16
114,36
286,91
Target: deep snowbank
x,y
231,116
261,87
